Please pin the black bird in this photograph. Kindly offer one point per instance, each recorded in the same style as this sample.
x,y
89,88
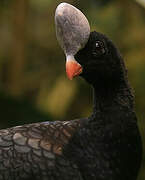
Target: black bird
x,y
105,146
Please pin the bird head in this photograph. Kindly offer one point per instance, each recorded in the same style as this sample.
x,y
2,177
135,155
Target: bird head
x,y
89,54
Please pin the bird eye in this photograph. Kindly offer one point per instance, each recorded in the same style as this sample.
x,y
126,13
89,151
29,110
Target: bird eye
x,y
99,45
99,48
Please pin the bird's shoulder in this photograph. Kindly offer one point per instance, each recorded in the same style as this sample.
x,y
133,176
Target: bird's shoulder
x,y
49,136
36,150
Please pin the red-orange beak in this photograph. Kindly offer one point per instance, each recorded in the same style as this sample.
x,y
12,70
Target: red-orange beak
x,y
73,68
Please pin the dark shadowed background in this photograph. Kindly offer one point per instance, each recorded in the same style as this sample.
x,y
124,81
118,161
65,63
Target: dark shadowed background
x,y
33,84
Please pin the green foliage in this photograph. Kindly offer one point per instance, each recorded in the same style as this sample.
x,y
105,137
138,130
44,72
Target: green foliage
x,y
40,5
5,4
16,112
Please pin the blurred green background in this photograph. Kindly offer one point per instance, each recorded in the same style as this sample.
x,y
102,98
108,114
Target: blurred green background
x,y
33,84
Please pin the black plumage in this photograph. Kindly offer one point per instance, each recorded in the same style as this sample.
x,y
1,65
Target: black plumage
x,y
110,141
105,146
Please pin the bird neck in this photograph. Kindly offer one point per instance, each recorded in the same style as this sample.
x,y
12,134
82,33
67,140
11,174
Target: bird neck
x,y
107,100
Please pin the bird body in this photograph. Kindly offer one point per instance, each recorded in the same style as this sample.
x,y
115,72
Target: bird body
x,y
99,147
106,145
109,147
35,151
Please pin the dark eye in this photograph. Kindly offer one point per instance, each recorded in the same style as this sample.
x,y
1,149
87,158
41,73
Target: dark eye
x,y
99,48
99,45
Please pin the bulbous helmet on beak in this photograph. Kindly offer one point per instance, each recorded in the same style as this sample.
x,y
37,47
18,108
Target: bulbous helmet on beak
x,y
72,31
